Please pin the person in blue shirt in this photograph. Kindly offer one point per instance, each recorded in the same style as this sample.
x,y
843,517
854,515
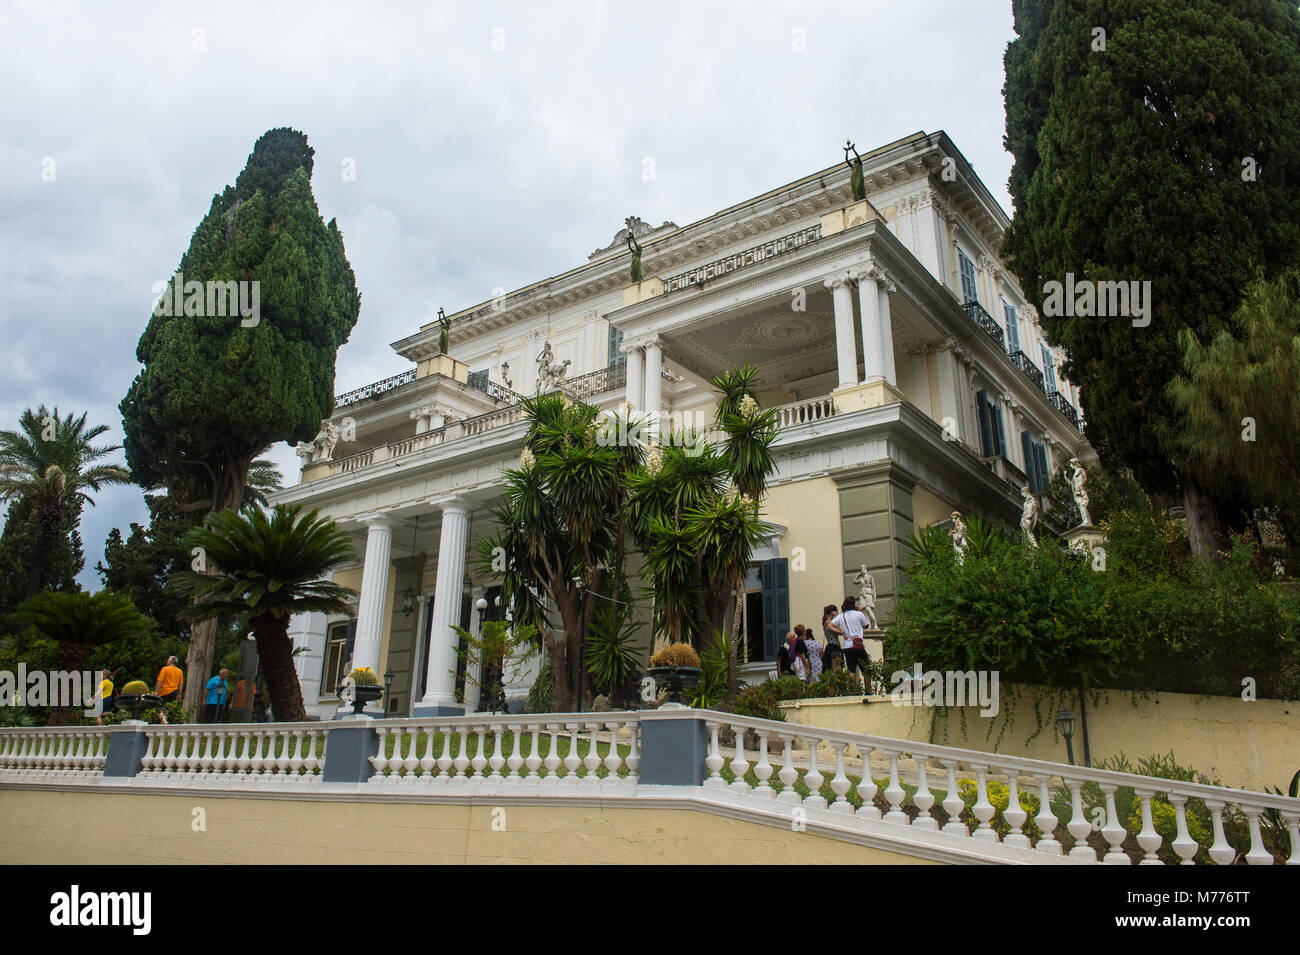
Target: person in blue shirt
x,y
216,697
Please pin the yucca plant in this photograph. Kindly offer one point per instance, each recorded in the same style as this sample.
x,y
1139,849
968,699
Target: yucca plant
x,y
611,657
269,568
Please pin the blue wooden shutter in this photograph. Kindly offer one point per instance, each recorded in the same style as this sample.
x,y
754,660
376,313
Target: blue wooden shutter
x,y
1027,449
984,412
1040,464
1000,438
614,356
1013,330
967,278
1049,369
774,575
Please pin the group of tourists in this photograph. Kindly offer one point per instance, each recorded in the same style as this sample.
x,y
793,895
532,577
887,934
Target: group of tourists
x,y
843,630
168,687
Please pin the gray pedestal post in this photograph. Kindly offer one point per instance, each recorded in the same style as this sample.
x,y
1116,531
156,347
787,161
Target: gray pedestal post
x,y
351,743
673,749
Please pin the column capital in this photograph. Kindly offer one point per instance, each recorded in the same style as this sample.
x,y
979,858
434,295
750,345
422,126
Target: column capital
x,y
838,280
378,520
630,345
652,341
454,504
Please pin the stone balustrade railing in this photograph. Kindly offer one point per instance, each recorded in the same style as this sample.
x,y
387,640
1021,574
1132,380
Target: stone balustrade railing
x,y
466,428
546,750
40,753
803,412
254,752
912,806
925,799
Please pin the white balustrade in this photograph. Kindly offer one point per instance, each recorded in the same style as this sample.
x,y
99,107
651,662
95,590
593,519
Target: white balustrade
x,y
35,754
281,755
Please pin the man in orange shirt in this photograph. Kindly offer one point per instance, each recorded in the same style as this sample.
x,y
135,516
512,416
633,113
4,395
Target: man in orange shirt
x,y
170,681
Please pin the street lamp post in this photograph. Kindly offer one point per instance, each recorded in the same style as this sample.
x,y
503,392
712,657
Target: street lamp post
x,y
1065,723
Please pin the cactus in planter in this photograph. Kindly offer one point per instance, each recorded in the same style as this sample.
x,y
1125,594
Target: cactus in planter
x,y
364,676
135,688
676,655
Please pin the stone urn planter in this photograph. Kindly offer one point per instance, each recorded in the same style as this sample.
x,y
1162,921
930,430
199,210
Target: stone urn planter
x,y
676,668
365,688
135,698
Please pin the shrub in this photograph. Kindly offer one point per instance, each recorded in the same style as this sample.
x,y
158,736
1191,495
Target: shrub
x,y
835,683
539,697
759,701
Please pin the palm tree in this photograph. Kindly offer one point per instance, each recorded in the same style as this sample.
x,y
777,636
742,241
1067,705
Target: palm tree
x,y
50,463
267,569
78,622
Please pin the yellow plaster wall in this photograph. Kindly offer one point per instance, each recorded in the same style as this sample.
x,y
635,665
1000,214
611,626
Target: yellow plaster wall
x,y
1245,745
810,511
928,508
101,827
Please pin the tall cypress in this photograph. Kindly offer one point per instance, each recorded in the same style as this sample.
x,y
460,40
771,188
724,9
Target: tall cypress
x,y
1153,141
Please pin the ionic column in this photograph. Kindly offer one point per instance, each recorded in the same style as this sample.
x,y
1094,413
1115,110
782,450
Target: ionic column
x,y
654,380
374,593
440,678
950,389
873,359
846,359
885,286
635,375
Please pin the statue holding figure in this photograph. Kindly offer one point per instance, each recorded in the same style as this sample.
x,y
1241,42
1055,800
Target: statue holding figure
x,y
1029,516
1078,482
634,247
867,595
550,372
957,532
321,447
857,181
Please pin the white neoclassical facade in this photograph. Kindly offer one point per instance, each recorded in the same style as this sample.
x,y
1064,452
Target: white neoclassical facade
x,y
909,368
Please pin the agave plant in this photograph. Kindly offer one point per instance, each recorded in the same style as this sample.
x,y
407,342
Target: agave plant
x,y
269,568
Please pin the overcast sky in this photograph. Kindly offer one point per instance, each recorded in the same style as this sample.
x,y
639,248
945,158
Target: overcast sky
x,y
494,145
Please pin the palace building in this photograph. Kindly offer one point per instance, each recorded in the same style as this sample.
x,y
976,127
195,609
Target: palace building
x,y
910,373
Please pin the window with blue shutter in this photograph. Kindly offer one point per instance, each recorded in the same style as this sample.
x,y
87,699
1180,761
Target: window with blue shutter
x,y
967,270
478,379
1040,460
1013,329
985,423
1049,369
999,436
775,577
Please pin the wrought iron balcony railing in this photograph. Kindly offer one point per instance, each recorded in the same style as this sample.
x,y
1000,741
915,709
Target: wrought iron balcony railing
x,y
1061,404
1031,371
985,321
375,388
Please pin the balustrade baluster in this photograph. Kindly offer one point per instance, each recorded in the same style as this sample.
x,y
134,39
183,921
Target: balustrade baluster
x,y
592,759
634,757
1184,845
150,758
244,761
497,760
1257,855
1079,827
462,758
1015,814
894,792
169,761
840,782
952,802
739,764
446,760
571,759
1148,838
427,761
713,762
534,760
282,761
515,760
1221,852
380,759
219,760
614,760
1045,820
480,761
867,787
813,779
552,761
763,768
924,799
257,765
1114,830
411,762
788,774
1292,820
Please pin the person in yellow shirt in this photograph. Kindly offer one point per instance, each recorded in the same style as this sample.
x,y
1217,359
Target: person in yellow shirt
x,y
105,694
170,681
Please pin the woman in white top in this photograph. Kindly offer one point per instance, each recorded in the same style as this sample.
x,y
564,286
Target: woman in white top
x,y
851,624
